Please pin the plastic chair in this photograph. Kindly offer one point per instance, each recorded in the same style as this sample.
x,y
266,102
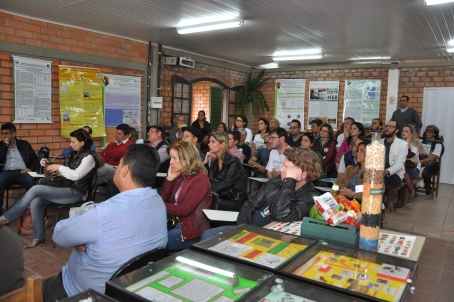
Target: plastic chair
x,y
139,262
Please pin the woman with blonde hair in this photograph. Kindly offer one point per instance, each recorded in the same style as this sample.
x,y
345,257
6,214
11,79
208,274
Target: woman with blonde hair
x,y
274,123
186,192
412,164
226,172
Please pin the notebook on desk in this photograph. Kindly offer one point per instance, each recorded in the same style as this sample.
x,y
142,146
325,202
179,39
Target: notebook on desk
x,y
216,215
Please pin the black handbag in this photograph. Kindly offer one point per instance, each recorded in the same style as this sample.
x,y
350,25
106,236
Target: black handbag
x,y
410,164
55,181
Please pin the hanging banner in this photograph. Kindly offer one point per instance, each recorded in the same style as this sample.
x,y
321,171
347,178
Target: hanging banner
x,y
81,99
289,101
392,95
362,100
122,96
323,102
32,90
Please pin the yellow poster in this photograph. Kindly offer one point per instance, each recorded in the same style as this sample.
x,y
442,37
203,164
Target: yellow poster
x,y
81,99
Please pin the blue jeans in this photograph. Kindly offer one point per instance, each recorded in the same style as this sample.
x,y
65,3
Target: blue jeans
x,y
174,242
37,197
414,173
10,177
213,232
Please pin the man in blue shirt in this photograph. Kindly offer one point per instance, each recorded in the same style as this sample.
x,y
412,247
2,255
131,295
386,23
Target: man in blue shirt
x,y
109,234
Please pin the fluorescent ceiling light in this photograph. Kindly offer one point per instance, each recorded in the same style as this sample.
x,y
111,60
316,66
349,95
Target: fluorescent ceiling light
x,y
433,2
370,58
209,26
298,58
206,267
297,52
269,65
451,42
450,50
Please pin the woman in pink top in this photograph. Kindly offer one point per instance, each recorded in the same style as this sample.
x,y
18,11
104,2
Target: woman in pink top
x,y
356,130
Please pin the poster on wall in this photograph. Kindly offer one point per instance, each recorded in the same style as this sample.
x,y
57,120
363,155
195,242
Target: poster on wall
x,y
122,100
323,102
289,100
362,100
32,90
81,99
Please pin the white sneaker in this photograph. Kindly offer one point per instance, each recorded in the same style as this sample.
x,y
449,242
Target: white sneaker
x,y
420,184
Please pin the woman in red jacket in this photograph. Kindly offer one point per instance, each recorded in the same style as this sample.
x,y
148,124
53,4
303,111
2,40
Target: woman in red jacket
x,y
186,192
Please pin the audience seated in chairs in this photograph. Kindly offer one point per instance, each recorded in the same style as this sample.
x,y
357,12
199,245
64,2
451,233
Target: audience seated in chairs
x,y
433,150
225,172
186,192
259,160
349,158
307,142
65,183
354,175
356,131
110,233
285,197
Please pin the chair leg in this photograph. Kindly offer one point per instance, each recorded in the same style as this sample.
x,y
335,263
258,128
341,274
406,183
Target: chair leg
x,y
438,184
56,221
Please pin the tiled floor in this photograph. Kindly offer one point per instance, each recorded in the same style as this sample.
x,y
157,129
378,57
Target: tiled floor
x,y
433,219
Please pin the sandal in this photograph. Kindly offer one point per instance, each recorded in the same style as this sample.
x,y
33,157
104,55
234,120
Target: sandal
x,y
34,243
4,221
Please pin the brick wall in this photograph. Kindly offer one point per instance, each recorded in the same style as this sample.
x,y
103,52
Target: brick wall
x,y
229,77
21,30
200,101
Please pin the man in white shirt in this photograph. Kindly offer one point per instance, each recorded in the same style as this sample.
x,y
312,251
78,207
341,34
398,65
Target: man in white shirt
x,y
396,153
278,142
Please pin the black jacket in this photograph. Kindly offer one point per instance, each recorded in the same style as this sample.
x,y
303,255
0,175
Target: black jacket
x,y
230,177
286,204
26,151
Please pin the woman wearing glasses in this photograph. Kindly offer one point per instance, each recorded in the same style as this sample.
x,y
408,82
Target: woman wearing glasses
x,y
326,145
241,122
225,172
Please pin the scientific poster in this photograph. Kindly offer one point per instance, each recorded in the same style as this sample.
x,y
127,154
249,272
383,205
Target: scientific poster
x,y
362,100
323,102
289,101
32,90
81,99
122,96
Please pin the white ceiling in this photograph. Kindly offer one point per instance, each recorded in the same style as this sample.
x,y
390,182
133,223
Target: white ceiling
x,y
405,30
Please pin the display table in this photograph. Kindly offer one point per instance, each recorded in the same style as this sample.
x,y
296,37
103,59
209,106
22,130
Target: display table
x,y
360,274
256,246
414,254
188,276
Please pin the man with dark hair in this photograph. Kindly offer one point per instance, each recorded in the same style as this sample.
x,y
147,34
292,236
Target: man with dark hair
x,y
294,138
241,122
234,136
315,127
110,233
406,115
17,157
115,151
278,141
286,197
396,153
